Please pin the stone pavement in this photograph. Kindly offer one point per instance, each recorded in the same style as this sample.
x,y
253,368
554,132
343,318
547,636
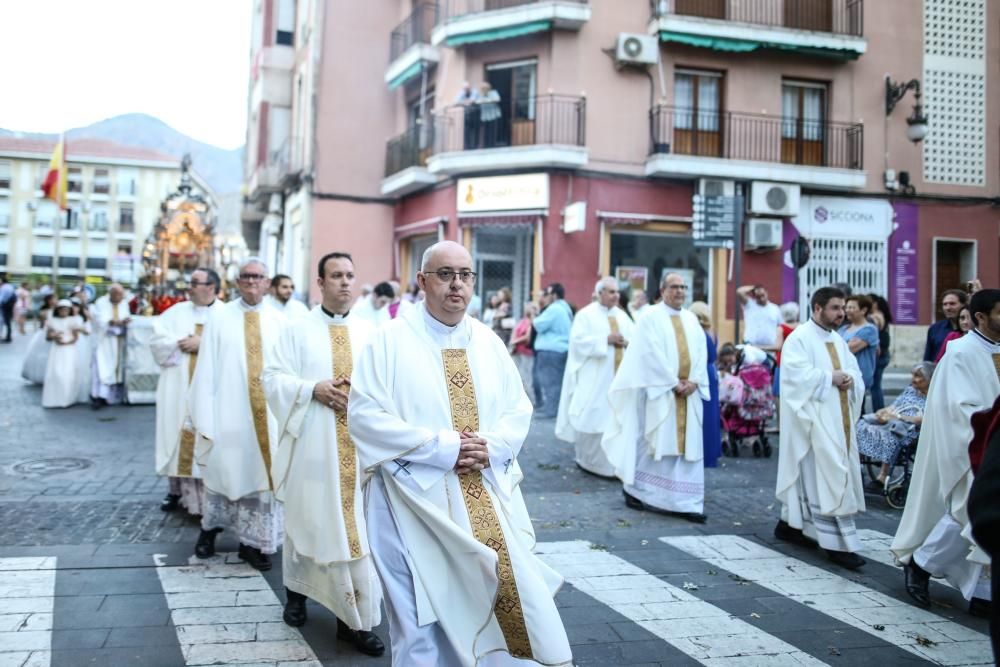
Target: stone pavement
x,y
92,573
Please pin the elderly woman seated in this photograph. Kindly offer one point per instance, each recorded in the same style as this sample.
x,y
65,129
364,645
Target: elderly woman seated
x,y
883,434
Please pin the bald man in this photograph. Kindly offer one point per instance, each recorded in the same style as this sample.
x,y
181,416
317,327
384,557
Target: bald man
x,y
111,318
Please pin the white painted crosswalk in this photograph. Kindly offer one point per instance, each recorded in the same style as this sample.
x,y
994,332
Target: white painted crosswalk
x,y
27,593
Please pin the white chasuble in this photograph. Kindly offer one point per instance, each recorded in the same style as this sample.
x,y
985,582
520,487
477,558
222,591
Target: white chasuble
x,y
819,469
966,380
315,469
109,341
468,538
61,387
584,410
175,439
237,433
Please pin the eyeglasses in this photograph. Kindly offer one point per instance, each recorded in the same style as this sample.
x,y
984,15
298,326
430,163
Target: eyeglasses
x,y
197,283
448,275
252,277
680,287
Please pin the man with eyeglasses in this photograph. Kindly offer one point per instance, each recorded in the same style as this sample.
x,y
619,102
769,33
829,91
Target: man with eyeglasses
x,y
174,344
316,475
654,438
236,431
438,413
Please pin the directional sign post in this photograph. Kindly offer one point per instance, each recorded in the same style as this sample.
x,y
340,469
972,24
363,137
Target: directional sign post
x,y
715,219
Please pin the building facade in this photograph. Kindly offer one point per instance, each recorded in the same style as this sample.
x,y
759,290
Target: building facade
x,y
604,119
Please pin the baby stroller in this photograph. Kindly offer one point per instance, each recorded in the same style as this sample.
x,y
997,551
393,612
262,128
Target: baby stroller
x,y
747,402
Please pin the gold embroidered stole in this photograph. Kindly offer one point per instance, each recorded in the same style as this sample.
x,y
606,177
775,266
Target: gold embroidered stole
x,y
845,409
114,312
185,459
683,373
255,385
613,323
343,363
483,517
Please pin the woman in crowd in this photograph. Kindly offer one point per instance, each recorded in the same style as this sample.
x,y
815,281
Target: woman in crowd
x,y
711,416
22,306
36,359
789,320
861,335
520,347
502,322
883,434
881,317
965,325
62,373
84,345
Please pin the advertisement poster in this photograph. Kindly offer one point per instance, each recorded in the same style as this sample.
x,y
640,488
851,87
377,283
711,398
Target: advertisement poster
x,y
903,265
635,277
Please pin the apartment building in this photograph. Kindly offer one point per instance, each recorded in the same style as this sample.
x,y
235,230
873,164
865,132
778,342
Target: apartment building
x,y
614,118
114,198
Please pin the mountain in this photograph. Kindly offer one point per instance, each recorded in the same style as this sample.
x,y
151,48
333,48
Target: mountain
x,y
221,168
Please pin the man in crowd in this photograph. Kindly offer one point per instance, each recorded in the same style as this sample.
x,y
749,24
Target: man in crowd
x,y
640,304
236,431
951,305
552,348
654,438
439,414
933,537
111,318
316,476
762,318
174,344
8,297
282,297
597,342
819,469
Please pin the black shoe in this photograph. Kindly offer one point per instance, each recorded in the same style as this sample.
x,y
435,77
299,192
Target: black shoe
x,y
786,533
610,478
845,559
980,607
254,558
917,580
295,609
170,503
694,517
633,502
366,642
205,548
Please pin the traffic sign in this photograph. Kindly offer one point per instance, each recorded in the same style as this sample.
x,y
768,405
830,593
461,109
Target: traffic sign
x,y
714,220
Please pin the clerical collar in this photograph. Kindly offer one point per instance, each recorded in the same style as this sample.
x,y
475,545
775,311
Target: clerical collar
x,y
439,327
246,306
829,331
986,339
671,310
207,305
332,315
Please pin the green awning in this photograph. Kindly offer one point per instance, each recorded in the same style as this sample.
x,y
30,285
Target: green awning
x,y
499,33
734,45
407,74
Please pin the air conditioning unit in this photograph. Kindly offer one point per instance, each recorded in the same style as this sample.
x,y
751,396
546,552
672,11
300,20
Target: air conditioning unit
x,y
763,234
635,49
714,187
779,199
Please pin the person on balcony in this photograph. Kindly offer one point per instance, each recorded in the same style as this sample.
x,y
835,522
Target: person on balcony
x,y
489,114
467,99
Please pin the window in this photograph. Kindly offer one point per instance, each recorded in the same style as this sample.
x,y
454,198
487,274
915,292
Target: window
x,y
46,215
69,262
97,263
4,175
516,84
697,102
41,261
124,250
126,182
102,182
3,259
661,254
4,213
72,220
126,221
74,179
803,123
98,219
285,29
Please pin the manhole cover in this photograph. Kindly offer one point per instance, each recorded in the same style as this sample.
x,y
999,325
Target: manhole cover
x,y
40,467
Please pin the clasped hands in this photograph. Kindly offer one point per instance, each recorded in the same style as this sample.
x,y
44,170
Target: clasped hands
x,y
685,388
189,344
473,455
326,392
617,340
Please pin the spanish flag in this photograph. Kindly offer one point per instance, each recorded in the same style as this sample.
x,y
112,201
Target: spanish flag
x,y
54,185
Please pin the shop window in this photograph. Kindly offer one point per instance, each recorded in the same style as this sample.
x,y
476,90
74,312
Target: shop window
x,y
654,255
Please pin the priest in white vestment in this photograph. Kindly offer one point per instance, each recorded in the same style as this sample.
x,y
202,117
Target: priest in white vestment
x,y
597,342
282,298
110,320
654,438
438,413
316,475
66,332
177,335
819,469
236,432
934,537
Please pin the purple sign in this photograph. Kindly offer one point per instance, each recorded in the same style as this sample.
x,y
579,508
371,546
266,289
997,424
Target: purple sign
x,y
788,235
903,264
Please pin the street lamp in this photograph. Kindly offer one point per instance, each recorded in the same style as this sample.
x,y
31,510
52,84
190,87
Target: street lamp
x,y
916,123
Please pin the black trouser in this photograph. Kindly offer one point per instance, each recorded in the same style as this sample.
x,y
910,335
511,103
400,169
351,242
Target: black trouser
x,y
7,310
471,138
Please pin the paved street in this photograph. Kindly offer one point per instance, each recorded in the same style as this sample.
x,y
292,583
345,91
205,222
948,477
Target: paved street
x,y
92,573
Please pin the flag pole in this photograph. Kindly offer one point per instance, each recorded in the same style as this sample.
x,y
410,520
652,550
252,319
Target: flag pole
x,y
57,231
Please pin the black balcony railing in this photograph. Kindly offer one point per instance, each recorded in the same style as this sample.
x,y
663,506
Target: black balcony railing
x,y
841,17
759,138
410,149
416,29
545,119
453,8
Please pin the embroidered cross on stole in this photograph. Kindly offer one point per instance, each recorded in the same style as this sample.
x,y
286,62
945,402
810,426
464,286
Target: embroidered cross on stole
x,y
185,457
845,409
683,373
343,363
255,386
483,517
613,323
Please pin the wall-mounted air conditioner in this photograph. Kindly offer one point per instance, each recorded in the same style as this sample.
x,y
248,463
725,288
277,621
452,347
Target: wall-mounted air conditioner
x,y
715,187
636,49
778,199
763,234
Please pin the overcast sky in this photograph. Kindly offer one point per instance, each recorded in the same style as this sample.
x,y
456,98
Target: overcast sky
x,y
69,63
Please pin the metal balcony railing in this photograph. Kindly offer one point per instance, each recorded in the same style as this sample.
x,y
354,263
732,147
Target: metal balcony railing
x,y
416,29
756,137
410,149
454,8
841,17
544,119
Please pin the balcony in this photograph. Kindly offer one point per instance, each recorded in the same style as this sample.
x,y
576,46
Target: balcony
x,y
687,144
406,161
410,49
270,175
827,28
472,21
547,131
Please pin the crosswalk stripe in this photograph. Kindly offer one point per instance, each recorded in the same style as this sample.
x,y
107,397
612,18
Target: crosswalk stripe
x,y
875,546
700,630
27,590
225,612
845,600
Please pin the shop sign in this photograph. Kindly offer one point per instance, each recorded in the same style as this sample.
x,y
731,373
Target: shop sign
x,y
844,218
903,264
503,193
575,217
